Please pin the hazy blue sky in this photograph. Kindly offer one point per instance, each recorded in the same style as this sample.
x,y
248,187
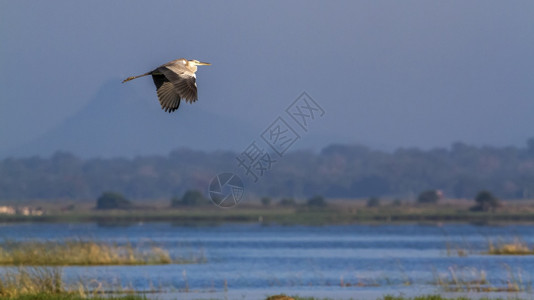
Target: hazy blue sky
x,y
387,73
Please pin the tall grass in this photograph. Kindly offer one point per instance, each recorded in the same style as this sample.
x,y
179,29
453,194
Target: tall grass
x,y
475,280
82,253
46,283
30,281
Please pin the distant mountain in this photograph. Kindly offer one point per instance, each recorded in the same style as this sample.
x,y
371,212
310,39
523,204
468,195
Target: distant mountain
x,y
118,121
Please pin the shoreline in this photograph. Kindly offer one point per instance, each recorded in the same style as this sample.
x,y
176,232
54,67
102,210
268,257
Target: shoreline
x,y
281,216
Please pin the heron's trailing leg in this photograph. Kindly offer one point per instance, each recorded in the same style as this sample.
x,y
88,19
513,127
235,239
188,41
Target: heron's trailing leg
x,y
134,77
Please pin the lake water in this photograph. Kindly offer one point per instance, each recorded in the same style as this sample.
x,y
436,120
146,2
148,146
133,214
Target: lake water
x,y
340,262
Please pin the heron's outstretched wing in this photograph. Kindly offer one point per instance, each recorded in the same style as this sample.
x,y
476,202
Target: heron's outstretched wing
x,y
183,79
168,98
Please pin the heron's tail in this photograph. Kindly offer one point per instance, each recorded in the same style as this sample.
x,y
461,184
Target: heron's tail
x,y
134,77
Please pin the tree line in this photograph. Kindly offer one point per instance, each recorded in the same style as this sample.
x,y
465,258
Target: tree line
x,y
344,171
191,198
484,201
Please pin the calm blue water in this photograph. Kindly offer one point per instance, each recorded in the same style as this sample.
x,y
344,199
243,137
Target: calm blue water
x,y
252,261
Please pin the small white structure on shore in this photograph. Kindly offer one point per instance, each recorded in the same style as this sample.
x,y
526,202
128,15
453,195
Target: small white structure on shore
x,y
24,210
7,210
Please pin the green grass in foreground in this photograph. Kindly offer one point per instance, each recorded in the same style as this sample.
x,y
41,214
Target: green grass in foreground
x,y
81,253
46,283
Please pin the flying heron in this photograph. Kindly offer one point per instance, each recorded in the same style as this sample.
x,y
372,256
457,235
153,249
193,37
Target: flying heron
x,y
174,81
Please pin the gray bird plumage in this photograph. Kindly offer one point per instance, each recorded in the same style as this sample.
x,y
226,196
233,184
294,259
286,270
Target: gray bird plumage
x,y
174,81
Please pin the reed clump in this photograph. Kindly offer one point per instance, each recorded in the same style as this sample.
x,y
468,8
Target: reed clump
x,y
517,247
46,283
475,280
30,281
81,253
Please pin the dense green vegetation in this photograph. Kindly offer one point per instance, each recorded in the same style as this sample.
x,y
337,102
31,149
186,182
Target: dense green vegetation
x,y
190,198
337,171
486,201
111,200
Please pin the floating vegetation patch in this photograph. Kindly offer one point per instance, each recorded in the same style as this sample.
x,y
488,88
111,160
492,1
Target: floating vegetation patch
x,y
85,253
517,247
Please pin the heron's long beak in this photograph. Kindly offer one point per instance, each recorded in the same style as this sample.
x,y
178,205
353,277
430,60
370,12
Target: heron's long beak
x,y
203,63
